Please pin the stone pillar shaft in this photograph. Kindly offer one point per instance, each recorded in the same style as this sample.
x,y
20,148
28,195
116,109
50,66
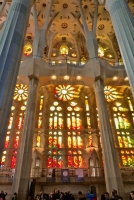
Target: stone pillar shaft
x,y
24,159
123,23
11,40
112,172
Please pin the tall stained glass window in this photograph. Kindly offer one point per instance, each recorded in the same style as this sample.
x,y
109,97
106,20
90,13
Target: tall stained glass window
x,y
65,143
123,120
15,124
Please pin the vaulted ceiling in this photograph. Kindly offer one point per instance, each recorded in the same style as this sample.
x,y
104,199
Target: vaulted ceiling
x,y
64,27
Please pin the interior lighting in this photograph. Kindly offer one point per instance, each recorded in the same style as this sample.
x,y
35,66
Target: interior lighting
x,y
73,54
100,51
54,54
78,78
115,78
64,49
27,50
126,79
54,77
109,56
66,77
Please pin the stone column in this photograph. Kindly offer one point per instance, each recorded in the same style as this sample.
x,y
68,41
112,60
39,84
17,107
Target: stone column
x,y
11,40
112,172
123,23
24,159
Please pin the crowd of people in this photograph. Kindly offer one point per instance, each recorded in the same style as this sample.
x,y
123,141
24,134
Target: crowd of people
x,y
3,195
58,195
55,195
114,195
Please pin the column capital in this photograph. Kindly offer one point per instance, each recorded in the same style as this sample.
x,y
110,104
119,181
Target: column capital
x,y
101,2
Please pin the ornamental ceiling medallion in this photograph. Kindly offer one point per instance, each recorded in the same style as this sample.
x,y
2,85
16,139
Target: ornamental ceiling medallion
x,y
64,25
111,94
21,92
66,92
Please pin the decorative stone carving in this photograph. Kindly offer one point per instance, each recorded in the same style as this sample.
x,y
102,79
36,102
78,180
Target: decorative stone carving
x,y
101,2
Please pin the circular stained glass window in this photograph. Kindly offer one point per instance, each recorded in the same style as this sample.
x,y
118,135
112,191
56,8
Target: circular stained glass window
x,y
64,92
21,92
59,108
69,108
56,103
52,108
64,25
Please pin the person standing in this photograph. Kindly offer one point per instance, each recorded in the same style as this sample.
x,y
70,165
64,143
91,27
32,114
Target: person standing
x,y
80,196
90,196
132,195
3,195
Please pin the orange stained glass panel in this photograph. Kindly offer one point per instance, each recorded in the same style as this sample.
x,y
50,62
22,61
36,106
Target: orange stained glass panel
x,y
40,122
10,123
38,141
13,161
3,161
6,142
16,142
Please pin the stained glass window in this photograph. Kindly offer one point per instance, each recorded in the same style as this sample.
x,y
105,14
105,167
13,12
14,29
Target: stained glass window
x,y
87,112
130,104
41,102
13,161
20,122
10,122
16,142
122,112
111,93
125,140
66,92
21,92
15,127
38,141
3,161
121,122
6,142
128,160
73,121
40,122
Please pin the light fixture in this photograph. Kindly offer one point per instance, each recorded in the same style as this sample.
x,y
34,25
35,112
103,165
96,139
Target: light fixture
x,y
126,79
54,54
73,54
78,78
115,78
53,77
109,56
66,77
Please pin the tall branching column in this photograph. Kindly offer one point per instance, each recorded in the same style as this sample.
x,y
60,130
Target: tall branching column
x,y
123,23
112,172
24,158
11,44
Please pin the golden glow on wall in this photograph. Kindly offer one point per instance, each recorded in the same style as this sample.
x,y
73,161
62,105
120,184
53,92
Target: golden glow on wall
x,y
100,51
111,93
38,141
21,92
27,50
64,49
